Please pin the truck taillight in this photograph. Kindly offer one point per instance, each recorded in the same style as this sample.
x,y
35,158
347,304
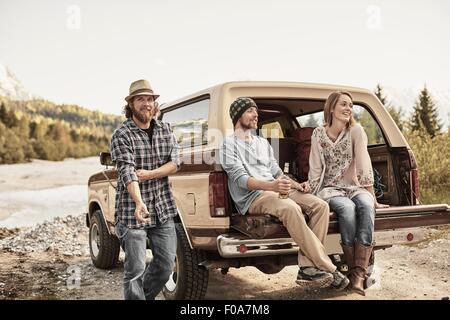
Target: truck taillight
x,y
218,195
410,237
415,186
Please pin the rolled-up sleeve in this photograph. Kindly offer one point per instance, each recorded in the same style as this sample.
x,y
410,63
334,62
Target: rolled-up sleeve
x,y
175,151
232,164
122,155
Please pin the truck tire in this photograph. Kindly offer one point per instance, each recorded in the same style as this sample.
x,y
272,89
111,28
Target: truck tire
x,y
104,248
188,281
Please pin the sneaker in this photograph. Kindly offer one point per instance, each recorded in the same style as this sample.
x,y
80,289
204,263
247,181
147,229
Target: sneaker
x,y
340,281
313,277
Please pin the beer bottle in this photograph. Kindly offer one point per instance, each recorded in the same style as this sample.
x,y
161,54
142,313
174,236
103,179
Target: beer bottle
x,y
285,176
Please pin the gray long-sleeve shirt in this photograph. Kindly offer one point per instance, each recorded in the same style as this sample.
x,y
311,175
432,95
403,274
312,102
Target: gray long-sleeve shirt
x,y
244,159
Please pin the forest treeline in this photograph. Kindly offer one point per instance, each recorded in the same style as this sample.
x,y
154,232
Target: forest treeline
x,y
45,130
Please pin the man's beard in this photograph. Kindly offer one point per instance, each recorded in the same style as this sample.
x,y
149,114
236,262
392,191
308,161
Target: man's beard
x,y
247,126
143,117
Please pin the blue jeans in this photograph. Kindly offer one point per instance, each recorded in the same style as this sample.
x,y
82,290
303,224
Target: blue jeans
x,y
141,283
356,218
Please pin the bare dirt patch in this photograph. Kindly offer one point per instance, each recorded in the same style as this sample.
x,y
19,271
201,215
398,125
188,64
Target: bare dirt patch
x,y
30,268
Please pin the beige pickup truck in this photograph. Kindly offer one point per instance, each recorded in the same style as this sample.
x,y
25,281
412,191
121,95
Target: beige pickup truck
x,y
211,234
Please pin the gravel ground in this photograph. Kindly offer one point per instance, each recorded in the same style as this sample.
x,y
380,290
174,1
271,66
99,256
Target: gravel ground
x,y
51,261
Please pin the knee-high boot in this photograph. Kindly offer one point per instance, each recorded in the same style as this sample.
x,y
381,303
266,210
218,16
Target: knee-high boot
x,y
359,270
349,256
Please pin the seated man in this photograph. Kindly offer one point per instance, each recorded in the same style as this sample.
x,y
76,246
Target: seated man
x,y
255,181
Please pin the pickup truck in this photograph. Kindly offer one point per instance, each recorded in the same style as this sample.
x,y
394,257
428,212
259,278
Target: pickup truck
x,y
211,234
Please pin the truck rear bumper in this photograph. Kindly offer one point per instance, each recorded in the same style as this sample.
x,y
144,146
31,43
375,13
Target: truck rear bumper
x,y
236,246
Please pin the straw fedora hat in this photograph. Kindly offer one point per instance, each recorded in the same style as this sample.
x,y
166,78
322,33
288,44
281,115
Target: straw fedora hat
x,y
139,88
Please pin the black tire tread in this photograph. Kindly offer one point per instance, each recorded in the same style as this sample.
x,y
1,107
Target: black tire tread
x,y
195,278
109,244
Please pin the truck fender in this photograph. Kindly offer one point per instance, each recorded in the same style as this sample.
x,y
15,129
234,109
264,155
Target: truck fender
x,y
92,205
184,228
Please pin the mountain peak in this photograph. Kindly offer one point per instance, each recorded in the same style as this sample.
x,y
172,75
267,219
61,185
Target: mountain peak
x,y
11,87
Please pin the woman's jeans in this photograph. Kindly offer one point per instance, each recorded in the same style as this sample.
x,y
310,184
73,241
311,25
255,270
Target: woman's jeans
x,y
141,283
356,218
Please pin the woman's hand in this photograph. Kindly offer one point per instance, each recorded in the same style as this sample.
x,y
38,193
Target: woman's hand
x,y
380,205
377,205
304,187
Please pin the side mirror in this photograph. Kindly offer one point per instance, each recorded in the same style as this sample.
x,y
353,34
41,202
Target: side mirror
x,y
105,159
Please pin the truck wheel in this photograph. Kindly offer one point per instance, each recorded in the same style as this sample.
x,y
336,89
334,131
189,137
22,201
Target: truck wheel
x,y
188,281
104,248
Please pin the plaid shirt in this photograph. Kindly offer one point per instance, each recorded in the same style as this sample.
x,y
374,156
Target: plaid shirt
x,y
131,150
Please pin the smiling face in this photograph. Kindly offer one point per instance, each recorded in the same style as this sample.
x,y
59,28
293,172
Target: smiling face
x,y
143,108
249,119
343,109
338,108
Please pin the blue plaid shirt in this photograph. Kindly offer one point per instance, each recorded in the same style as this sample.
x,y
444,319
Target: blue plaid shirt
x,y
131,150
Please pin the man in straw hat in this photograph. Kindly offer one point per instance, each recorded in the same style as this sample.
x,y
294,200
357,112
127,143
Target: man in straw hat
x,y
145,152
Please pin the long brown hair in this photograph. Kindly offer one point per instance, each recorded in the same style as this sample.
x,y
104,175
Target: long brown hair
x,y
127,109
330,104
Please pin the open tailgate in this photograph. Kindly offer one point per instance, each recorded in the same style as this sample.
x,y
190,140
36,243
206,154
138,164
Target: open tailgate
x,y
406,217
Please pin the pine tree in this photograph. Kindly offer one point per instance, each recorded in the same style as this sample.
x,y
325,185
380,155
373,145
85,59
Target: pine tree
x,y
8,117
396,113
3,112
379,92
425,114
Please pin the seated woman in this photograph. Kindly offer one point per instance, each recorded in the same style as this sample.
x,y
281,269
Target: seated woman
x,y
341,174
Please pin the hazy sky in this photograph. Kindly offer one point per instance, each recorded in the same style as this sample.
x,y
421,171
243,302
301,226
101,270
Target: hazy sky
x,y
88,52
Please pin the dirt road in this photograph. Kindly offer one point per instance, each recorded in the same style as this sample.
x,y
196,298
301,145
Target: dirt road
x,y
402,272
51,261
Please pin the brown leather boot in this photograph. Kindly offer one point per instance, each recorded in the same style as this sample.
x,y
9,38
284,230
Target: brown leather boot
x,y
359,271
349,256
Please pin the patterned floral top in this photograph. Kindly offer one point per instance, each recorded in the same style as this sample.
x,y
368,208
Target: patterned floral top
x,y
341,168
